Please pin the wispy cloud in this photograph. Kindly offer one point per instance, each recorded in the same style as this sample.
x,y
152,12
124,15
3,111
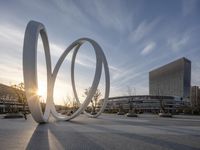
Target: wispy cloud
x,y
10,63
143,30
114,72
177,44
148,48
11,37
134,41
189,6
116,18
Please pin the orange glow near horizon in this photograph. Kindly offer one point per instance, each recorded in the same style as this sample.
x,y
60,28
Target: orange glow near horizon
x,y
61,93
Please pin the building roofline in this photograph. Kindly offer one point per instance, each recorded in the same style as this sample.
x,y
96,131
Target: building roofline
x,y
131,96
169,64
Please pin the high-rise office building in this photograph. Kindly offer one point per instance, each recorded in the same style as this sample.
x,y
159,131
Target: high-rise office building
x,y
173,79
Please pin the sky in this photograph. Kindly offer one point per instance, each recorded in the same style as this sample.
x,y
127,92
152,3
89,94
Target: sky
x,y
136,36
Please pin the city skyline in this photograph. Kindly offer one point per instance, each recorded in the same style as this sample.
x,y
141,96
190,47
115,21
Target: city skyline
x,y
134,41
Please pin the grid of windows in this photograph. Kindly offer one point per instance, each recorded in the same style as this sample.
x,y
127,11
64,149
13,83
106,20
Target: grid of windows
x,y
173,79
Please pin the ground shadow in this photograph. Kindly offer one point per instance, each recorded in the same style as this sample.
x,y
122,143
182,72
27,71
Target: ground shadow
x,y
60,136
145,139
39,139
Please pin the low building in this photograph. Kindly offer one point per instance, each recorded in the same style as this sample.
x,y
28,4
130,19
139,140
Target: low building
x,y
145,103
195,96
9,99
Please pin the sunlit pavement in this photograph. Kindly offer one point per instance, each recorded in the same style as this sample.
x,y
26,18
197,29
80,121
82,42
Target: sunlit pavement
x,y
147,132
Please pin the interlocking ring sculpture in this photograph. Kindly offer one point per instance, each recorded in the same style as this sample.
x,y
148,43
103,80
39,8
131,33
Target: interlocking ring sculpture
x,y
32,32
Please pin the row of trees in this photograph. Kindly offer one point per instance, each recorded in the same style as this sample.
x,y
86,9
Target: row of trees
x,y
71,104
20,93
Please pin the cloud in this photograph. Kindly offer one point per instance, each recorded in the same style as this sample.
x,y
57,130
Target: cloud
x,y
125,32
10,37
143,30
11,69
114,72
176,44
188,6
116,18
148,48
11,41
57,50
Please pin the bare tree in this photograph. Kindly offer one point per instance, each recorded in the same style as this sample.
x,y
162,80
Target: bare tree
x,y
70,105
67,102
19,90
131,92
163,112
132,109
95,99
162,105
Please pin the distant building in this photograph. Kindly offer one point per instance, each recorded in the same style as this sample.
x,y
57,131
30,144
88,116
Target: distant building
x,y
173,79
9,99
195,96
144,103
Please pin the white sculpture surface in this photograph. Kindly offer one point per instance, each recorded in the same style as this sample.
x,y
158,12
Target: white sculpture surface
x,y
32,32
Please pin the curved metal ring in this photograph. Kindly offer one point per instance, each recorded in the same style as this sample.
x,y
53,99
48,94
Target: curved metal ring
x,y
96,80
33,30
107,81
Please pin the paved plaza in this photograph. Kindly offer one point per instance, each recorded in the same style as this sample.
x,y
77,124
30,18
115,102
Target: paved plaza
x,y
109,131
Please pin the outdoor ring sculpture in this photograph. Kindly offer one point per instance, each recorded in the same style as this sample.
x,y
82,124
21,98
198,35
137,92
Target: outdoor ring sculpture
x,y
32,32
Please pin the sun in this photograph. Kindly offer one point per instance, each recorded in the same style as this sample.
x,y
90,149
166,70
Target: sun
x,y
42,91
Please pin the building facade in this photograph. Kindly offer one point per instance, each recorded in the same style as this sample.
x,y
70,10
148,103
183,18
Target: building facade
x,y
144,103
9,99
173,79
195,96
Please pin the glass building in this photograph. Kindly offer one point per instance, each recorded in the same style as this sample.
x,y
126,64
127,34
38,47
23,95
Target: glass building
x,y
173,79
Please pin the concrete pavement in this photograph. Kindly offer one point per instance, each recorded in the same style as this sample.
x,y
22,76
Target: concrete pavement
x,y
106,132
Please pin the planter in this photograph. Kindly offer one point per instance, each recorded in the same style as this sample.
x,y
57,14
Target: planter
x,y
131,114
14,115
120,113
165,115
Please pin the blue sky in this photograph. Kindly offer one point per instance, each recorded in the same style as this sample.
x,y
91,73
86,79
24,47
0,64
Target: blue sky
x,y
136,36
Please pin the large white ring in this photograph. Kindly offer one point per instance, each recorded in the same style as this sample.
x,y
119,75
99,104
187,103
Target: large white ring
x,y
32,32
